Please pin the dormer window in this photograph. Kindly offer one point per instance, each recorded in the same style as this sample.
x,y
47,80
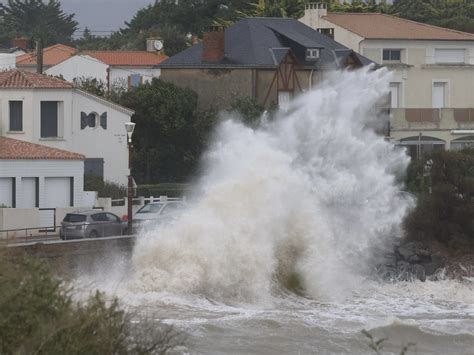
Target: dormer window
x,y
312,53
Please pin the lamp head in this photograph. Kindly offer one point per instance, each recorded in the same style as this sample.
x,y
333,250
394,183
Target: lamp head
x,y
129,127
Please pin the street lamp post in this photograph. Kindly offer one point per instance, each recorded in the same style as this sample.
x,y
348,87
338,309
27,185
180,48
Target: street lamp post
x,y
129,127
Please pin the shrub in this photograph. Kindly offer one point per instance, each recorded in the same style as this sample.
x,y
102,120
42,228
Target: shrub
x,y
170,190
104,188
447,213
40,317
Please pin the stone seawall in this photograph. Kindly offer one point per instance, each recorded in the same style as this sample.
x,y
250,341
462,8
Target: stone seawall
x,y
84,255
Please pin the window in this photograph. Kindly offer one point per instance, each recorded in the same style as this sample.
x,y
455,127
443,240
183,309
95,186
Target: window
x,y
392,55
49,119
327,31
394,95
420,146
312,54
449,56
462,143
112,218
284,98
134,80
439,95
16,116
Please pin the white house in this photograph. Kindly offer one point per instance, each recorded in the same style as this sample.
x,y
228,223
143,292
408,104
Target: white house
x,y
33,175
432,92
43,110
52,56
115,68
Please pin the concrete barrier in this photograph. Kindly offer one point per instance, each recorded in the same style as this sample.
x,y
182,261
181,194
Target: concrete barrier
x,y
73,256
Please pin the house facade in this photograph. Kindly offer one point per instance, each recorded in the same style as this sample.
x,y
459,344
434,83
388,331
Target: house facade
x,y
43,110
115,68
270,59
432,89
37,176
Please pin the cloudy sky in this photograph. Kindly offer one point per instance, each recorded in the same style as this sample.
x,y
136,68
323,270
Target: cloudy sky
x,y
103,15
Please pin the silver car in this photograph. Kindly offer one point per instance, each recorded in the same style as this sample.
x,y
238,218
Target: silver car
x,y
91,224
156,213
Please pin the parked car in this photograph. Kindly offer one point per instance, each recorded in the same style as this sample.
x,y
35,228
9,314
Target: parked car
x,y
91,224
155,213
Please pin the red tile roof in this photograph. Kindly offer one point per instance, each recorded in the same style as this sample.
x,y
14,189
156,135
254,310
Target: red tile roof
x,y
11,149
381,26
51,56
19,79
127,58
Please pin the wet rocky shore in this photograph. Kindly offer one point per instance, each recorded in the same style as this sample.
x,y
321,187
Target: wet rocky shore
x,y
415,260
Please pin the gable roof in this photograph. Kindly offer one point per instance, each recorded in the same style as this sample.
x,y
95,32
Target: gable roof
x,y
51,55
381,26
19,79
127,58
259,42
11,149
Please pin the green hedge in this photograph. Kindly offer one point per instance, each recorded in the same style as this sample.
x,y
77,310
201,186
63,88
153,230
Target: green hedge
x,y
165,189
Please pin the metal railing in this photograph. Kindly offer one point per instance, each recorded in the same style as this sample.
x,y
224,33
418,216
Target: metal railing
x,y
86,230
146,200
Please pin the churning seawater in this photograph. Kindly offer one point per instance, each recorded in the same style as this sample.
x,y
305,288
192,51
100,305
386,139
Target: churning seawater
x,y
276,250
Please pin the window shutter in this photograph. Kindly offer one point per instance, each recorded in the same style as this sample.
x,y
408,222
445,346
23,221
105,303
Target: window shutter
x,y
103,120
83,120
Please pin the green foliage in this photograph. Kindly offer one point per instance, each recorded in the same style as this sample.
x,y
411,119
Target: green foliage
x,y
455,14
91,85
170,133
39,317
249,109
446,214
165,189
38,20
99,88
104,189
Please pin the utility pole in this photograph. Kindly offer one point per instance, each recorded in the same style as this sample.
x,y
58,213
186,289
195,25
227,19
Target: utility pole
x,y
39,56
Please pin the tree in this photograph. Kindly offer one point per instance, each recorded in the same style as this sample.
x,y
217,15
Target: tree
x,y
38,20
170,134
444,183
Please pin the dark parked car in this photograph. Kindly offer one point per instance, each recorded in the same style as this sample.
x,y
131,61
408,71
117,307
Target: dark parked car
x,y
91,224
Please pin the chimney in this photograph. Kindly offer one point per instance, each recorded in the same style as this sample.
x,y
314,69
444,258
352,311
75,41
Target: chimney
x,y
154,45
213,45
314,14
20,42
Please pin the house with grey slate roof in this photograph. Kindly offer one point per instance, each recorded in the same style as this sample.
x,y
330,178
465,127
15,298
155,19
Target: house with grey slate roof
x,y
271,59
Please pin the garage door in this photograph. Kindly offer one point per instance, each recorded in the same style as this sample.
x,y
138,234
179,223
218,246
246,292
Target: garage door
x,y
57,192
28,193
6,192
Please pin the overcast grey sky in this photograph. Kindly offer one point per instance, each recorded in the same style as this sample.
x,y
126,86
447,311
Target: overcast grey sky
x,y
103,15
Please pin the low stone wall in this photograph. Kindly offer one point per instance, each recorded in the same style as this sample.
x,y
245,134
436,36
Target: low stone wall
x,y
75,256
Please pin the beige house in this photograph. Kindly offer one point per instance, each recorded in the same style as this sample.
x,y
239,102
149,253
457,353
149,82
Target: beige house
x,y
432,90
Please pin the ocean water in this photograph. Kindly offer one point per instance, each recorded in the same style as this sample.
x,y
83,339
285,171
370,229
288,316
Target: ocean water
x,y
276,250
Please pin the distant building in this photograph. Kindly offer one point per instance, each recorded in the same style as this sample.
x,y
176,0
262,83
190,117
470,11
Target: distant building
x,y
270,59
43,110
432,92
122,68
52,56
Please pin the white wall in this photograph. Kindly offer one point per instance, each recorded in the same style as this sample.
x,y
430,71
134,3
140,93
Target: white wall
x,y
418,71
43,169
121,74
80,66
7,61
88,67
109,144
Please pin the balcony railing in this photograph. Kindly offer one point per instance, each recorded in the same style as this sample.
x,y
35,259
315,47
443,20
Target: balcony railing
x,y
432,118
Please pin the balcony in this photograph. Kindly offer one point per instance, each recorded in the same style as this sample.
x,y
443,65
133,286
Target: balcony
x,y
432,119
423,130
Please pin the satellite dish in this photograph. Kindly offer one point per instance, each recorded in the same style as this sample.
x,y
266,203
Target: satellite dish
x,y
158,45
